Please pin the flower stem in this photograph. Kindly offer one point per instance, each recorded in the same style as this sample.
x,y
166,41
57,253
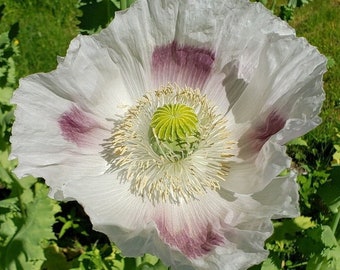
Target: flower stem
x,y
138,261
123,4
273,6
297,265
335,222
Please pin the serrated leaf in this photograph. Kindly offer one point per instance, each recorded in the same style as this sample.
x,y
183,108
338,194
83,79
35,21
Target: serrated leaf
x,y
318,262
24,250
308,246
7,228
327,257
304,222
8,205
327,237
22,188
269,265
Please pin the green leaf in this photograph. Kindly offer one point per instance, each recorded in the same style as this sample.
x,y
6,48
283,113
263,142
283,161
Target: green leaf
x,y
150,259
269,265
264,2
5,176
304,222
55,259
336,155
67,225
328,256
298,141
329,259
160,266
24,249
328,238
330,62
116,3
150,262
145,266
105,12
289,227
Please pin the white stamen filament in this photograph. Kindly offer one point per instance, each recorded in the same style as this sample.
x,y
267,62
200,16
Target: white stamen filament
x,y
162,174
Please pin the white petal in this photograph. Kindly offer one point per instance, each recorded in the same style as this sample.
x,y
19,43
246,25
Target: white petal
x,y
213,233
137,226
252,175
38,142
279,103
201,25
88,77
282,196
287,80
123,217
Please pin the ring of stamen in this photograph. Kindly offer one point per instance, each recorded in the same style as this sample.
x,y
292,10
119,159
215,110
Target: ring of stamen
x,y
171,146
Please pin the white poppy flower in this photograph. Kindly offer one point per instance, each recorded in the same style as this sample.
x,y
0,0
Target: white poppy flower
x,y
169,126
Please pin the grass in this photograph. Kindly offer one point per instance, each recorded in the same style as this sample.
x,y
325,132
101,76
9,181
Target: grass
x,y
319,23
45,30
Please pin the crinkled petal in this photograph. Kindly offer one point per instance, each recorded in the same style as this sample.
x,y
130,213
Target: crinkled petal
x,y
252,175
282,196
60,138
285,95
184,42
39,144
124,217
259,55
210,233
88,77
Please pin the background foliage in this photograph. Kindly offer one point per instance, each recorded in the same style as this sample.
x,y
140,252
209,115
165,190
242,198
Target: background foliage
x,y
39,233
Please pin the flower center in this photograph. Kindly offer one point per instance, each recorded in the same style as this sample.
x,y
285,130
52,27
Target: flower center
x,y
174,131
171,146
174,122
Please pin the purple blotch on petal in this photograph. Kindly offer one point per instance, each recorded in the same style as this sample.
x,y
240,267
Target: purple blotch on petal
x,y
75,125
192,246
182,64
259,134
273,124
